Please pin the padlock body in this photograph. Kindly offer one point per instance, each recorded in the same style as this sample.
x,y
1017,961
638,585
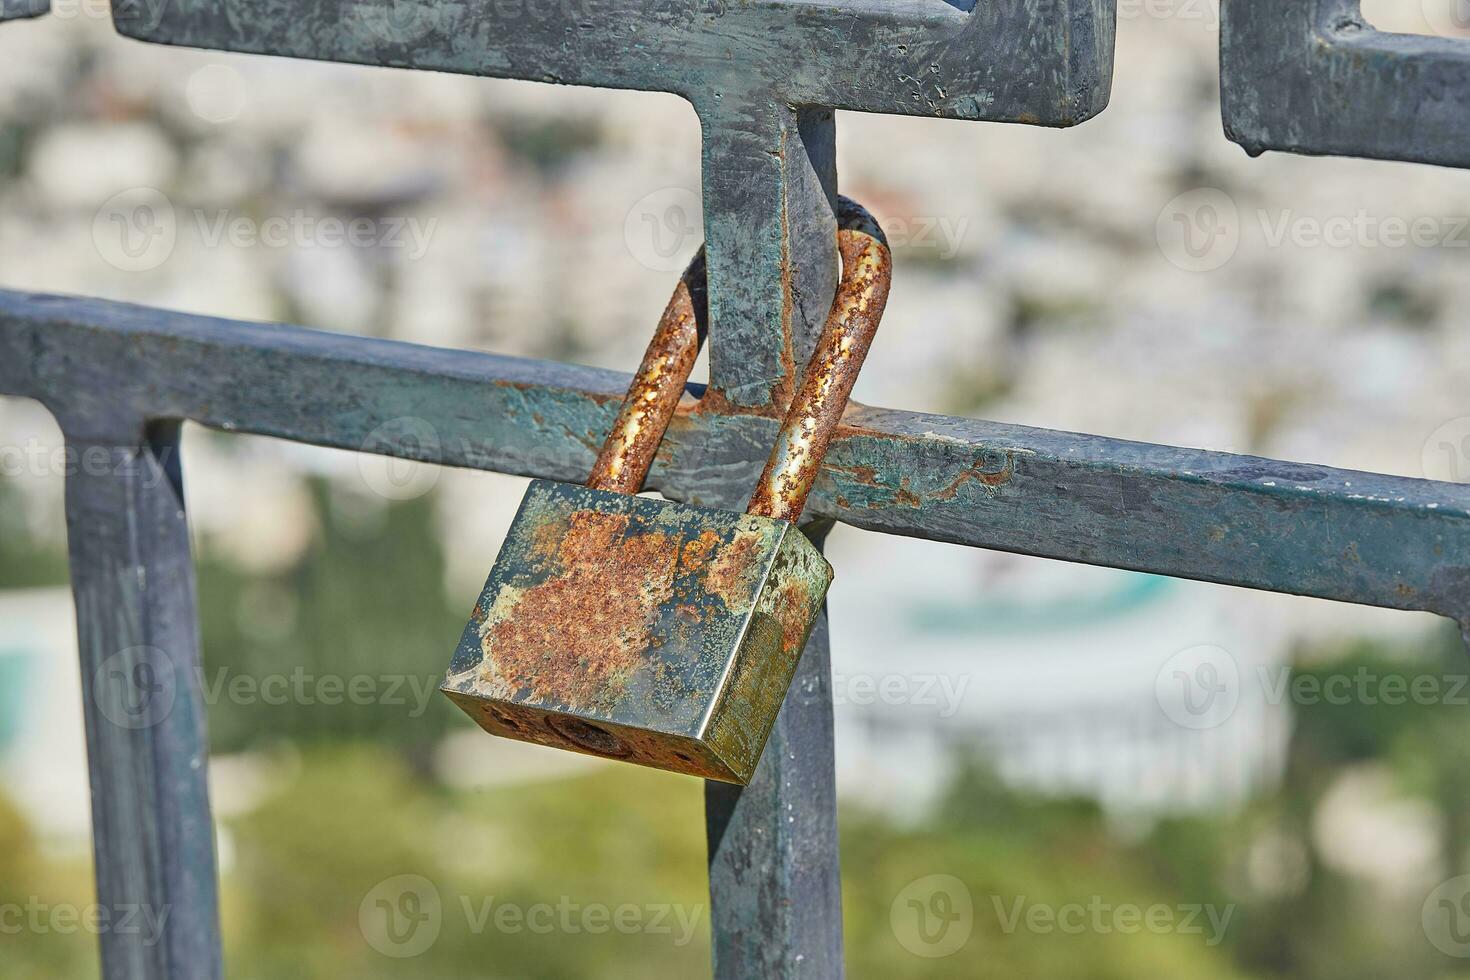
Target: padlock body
x,y
640,629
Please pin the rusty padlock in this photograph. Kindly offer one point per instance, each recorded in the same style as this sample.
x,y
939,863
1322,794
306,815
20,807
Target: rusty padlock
x,y
656,632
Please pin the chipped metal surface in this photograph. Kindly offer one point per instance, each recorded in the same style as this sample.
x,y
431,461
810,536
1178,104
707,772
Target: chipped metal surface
x,y
639,629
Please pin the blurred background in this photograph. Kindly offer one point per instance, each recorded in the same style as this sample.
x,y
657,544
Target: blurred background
x,y
1046,770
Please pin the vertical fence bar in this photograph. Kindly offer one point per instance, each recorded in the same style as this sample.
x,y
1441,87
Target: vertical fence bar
x,y
137,628
770,188
770,227
775,884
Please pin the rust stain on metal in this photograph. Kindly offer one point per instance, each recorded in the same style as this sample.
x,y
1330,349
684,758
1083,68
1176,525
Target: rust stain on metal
x,y
791,601
733,576
816,411
979,472
572,634
697,550
716,402
905,496
781,389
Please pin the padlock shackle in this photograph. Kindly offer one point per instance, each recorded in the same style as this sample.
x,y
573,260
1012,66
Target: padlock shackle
x,y
867,271
628,453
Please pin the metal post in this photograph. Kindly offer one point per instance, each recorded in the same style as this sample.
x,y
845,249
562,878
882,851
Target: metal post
x,y
774,874
770,227
138,635
770,190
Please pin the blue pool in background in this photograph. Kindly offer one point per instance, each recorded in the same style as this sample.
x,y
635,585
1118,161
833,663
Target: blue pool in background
x,y
15,679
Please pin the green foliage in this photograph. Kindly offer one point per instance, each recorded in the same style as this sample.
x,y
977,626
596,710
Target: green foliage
x,y
351,640
25,560
549,146
626,837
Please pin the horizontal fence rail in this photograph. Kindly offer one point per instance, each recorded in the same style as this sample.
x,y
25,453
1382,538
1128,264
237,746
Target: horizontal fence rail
x,y
1238,520
22,9
1045,62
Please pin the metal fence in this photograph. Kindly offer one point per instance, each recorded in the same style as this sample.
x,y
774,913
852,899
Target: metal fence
x,y
1306,76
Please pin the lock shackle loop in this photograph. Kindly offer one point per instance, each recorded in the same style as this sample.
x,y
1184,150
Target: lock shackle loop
x,y
627,455
867,272
628,452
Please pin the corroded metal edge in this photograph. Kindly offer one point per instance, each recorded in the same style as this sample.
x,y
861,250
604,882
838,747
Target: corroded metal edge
x,y
605,739
740,593
759,674
571,551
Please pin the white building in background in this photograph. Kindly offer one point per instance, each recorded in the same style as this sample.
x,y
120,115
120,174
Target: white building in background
x,y
1147,693
43,745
